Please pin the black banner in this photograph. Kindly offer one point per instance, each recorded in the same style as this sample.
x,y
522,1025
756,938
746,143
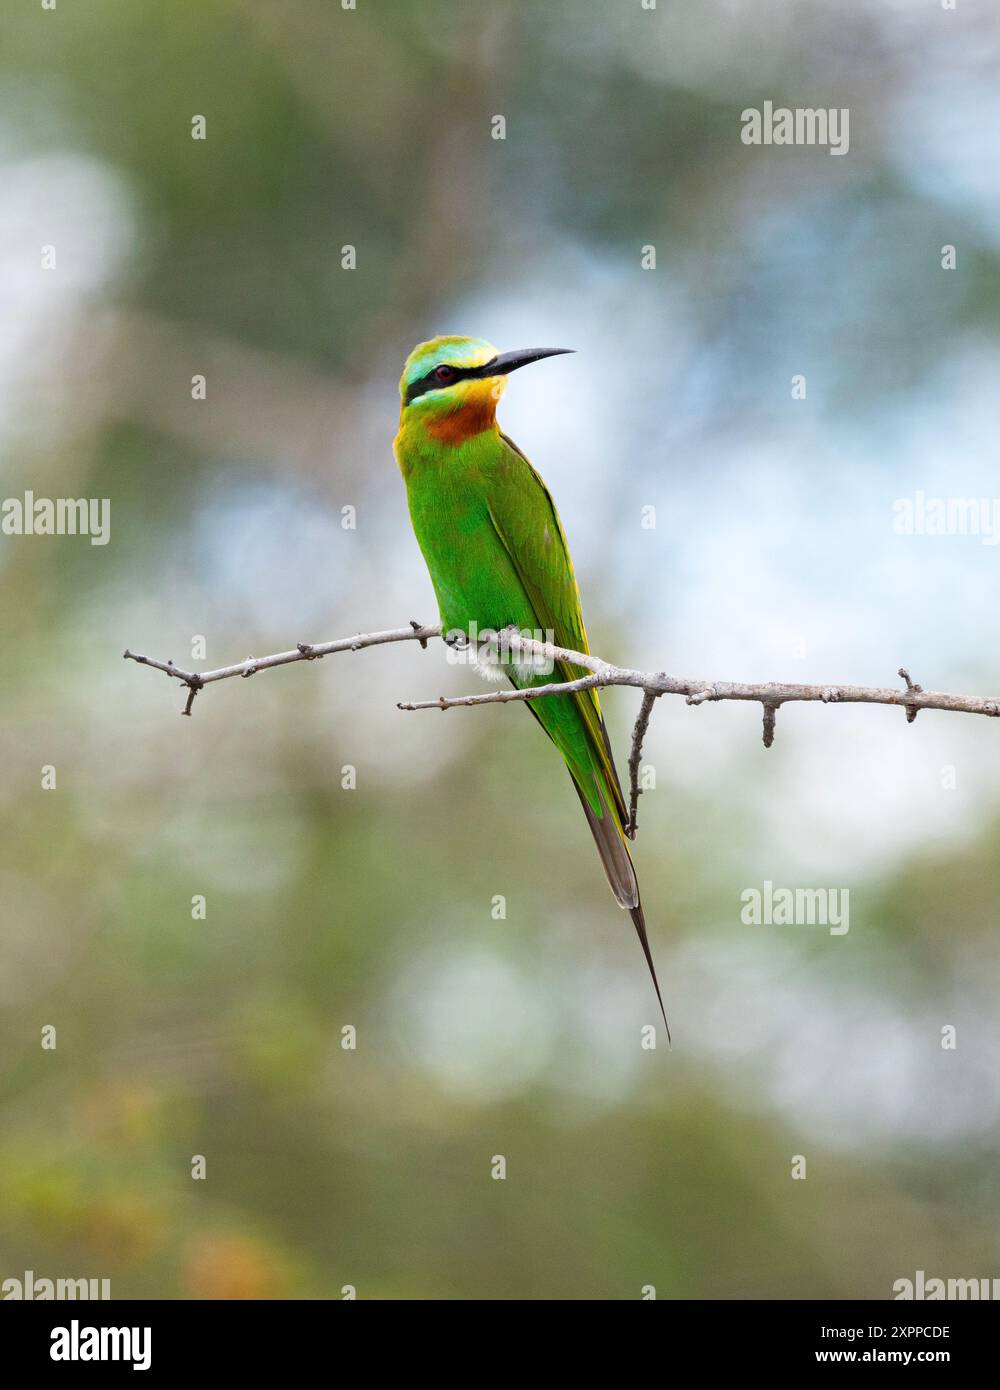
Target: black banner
x,y
169,1339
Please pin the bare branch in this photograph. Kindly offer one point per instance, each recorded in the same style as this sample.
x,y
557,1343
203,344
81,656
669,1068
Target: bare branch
x,y
601,674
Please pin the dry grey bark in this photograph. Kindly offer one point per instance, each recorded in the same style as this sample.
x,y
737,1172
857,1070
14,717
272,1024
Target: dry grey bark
x,y
770,695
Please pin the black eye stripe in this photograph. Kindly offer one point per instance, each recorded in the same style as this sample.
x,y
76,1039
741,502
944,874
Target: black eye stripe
x,y
431,383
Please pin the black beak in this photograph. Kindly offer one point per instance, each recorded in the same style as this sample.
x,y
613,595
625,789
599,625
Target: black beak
x,y
510,361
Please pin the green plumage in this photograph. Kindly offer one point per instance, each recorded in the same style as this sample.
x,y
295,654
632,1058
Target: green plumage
x,y
498,557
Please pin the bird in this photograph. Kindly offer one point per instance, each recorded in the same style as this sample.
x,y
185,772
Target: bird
x,y
498,558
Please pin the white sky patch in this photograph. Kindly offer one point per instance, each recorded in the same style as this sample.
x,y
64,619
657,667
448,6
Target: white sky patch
x,y
82,208
944,136
278,552
566,414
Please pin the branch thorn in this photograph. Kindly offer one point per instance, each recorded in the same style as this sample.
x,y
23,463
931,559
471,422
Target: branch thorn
x,y
770,714
911,710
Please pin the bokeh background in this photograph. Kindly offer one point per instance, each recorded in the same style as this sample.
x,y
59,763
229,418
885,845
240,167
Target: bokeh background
x,y
773,557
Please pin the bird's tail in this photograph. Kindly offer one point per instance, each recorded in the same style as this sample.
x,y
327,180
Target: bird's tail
x,y
604,806
609,836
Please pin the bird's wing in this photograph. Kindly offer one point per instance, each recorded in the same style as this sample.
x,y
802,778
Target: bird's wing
x,y
528,525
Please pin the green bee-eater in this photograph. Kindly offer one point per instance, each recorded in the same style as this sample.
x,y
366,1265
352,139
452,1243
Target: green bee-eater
x,y
498,557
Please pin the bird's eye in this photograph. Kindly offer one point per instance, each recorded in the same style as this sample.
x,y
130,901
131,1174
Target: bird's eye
x,y
444,373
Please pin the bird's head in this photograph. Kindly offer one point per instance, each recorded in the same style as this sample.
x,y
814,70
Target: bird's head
x,y
451,385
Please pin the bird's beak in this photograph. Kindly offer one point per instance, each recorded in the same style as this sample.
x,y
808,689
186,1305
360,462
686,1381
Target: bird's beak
x,y
508,362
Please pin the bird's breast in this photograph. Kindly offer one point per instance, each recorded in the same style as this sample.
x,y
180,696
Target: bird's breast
x,y
457,427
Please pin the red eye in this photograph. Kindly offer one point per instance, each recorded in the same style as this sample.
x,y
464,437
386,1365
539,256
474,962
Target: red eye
x,y
444,373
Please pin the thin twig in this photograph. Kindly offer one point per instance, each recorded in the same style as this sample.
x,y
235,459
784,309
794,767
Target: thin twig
x,y
635,759
305,651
